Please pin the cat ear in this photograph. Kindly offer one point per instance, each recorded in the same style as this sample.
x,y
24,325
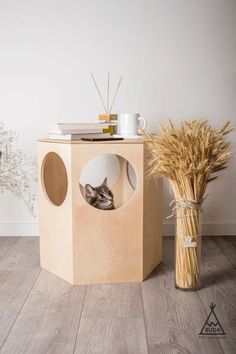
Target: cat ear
x,y
90,191
104,183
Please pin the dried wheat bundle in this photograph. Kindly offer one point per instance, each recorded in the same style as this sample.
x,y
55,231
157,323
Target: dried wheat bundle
x,y
189,157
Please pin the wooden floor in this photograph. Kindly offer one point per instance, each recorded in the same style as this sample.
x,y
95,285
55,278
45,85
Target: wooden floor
x,y
40,313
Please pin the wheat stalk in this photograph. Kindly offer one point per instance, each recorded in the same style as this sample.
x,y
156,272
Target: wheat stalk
x,y
189,157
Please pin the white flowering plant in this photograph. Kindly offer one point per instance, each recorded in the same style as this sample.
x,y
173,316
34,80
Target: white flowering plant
x,y
17,170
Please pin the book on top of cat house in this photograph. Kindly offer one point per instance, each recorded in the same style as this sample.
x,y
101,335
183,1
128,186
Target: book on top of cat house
x,y
56,136
77,128
75,131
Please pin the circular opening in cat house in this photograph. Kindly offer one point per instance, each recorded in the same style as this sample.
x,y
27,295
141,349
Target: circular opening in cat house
x,y
107,181
54,178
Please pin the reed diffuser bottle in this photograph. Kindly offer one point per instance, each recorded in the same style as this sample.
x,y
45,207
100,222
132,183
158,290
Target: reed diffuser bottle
x,y
107,105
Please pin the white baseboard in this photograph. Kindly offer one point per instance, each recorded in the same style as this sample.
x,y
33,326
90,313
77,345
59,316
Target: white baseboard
x,y
19,229
208,229
32,229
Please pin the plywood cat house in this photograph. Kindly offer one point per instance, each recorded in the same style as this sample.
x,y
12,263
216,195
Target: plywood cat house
x,y
85,245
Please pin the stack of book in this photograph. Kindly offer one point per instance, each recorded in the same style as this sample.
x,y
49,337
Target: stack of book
x,y
76,131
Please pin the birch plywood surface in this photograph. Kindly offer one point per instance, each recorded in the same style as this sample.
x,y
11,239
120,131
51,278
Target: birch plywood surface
x,y
76,142
91,246
112,243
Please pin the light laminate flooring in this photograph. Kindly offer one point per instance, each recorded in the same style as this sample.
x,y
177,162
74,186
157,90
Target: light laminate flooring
x,y
40,313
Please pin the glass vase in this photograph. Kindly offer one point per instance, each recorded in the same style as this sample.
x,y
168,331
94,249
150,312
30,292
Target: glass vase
x,y
188,248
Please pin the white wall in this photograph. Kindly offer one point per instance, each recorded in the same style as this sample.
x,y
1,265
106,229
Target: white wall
x,y
177,58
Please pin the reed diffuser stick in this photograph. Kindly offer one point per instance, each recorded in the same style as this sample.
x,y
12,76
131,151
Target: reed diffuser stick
x,y
108,91
117,89
99,93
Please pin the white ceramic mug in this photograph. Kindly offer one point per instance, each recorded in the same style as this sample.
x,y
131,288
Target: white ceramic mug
x,y
129,124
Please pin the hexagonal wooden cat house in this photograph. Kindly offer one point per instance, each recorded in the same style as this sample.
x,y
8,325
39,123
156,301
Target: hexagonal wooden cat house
x,y
83,244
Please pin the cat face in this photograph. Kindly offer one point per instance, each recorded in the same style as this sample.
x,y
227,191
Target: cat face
x,y
100,197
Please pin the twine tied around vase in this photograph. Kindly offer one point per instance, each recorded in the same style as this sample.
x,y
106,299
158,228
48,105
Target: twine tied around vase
x,y
185,203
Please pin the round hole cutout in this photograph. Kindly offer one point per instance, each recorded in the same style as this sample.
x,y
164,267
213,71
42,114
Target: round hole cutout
x,y
54,178
107,181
